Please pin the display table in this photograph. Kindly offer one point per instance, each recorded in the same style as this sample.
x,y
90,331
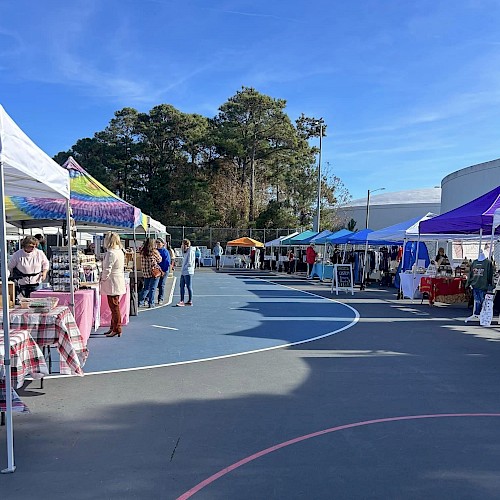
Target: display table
x,y
410,284
124,308
54,328
443,289
322,271
26,359
84,307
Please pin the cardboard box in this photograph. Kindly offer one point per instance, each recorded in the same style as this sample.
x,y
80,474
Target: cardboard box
x,y
12,293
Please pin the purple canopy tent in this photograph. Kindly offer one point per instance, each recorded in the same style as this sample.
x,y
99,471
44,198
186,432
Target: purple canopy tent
x,y
475,217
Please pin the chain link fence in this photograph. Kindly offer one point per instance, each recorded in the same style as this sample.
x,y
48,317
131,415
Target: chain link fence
x,y
209,236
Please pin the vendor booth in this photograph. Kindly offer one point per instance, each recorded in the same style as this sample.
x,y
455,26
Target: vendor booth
x,y
25,171
323,267
95,208
479,218
275,254
234,260
406,233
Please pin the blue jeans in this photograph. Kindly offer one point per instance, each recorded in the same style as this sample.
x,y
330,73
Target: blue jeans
x,y
148,291
478,300
187,280
161,287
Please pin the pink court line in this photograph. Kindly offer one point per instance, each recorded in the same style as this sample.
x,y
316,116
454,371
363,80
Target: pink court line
x,y
271,449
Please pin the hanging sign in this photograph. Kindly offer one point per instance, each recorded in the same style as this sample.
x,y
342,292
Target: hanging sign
x,y
343,279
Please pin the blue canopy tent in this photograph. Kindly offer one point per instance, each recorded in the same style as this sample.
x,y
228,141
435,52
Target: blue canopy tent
x,y
343,238
299,239
322,238
405,233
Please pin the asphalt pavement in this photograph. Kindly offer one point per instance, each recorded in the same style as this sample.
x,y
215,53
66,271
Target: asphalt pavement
x,y
271,387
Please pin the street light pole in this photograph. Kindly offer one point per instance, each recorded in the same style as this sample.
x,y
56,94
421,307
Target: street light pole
x,y
368,205
318,201
366,269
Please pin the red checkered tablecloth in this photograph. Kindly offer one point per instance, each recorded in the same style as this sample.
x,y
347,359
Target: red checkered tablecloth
x,y
26,358
56,327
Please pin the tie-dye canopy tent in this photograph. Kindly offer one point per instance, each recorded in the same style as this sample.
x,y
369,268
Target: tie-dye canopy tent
x,y
92,204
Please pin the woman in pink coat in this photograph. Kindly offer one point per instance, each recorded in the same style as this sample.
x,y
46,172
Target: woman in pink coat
x,y
113,280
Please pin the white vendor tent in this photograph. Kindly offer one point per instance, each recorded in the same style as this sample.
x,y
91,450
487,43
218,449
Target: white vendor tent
x,y
25,170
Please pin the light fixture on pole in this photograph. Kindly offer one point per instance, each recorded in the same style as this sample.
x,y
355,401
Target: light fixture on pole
x,y
318,201
366,268
368,204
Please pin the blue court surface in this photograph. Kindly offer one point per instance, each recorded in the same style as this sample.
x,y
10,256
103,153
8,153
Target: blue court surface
x,y
232,314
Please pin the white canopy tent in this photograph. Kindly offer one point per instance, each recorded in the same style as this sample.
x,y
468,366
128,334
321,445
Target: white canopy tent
x,y
25,170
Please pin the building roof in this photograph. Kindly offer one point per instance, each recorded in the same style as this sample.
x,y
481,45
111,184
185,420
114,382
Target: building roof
x,y
408,197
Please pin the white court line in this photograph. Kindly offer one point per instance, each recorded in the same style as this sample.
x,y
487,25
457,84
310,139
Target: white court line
x,y
226,295
165,327
165,304
353,321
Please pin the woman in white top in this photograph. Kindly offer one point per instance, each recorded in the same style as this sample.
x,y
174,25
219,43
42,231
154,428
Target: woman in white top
x,y
113,280
28,266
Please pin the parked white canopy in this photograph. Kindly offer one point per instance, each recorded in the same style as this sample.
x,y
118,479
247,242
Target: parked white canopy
x,y
25,170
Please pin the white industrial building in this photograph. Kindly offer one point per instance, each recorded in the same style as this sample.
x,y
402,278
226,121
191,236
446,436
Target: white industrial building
x,y
387,209
469,183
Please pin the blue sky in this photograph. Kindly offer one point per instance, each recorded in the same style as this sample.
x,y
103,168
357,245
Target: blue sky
x,y
410,90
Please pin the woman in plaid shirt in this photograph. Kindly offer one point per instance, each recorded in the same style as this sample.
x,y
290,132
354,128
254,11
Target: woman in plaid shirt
x,y
149,258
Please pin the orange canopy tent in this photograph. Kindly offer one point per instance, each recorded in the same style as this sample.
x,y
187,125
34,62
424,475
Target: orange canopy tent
x,y
245,242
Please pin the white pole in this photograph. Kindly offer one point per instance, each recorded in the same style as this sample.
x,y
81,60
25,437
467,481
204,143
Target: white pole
x,y
491,241
365,267
72,278
415,268
6,331
136,298
480,242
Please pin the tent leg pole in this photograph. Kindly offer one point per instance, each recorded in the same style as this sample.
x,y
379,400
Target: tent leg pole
x,y
480,242
70,252
365,269
135,273
415,268
6,330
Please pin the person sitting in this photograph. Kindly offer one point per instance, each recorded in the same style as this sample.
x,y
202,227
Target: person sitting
x,y
441,258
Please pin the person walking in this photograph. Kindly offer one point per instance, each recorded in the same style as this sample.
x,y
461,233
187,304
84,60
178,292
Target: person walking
x,y
262,258
28,266
291,262
218,251
187,273
113,281
310,260
165,267
252,258
197,256
150,258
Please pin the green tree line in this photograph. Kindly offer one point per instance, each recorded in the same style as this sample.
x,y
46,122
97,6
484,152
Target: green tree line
x,y
249,166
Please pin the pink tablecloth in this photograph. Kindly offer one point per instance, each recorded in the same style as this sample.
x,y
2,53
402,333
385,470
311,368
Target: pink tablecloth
x,y
124,308
84,307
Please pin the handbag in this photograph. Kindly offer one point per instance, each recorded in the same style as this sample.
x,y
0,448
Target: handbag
x,y
156,272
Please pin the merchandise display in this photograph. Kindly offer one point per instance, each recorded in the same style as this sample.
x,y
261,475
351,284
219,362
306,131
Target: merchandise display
x,y
60,265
